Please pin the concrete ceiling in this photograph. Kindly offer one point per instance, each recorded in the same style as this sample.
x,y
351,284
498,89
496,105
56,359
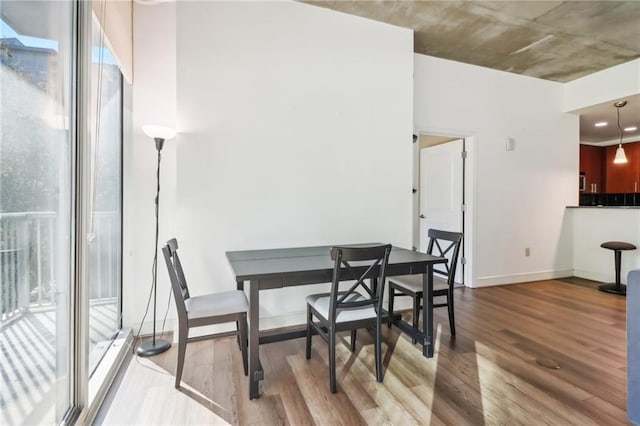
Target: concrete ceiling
x,y
552,40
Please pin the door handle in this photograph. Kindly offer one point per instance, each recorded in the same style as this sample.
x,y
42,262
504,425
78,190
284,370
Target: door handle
x,y
421,216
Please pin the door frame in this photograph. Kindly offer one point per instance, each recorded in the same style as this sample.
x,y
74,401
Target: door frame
x,y
469,194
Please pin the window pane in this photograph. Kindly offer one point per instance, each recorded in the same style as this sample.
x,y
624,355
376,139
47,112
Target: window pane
x,y
105,222
35,210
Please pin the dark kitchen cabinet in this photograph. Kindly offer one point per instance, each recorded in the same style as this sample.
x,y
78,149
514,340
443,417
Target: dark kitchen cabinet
x,y
591,166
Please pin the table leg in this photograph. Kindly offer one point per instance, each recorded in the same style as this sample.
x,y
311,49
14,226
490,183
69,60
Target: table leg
x,y
255,372
427,312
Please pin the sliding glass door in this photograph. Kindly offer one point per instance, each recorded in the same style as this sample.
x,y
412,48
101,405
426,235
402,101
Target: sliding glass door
x,y
60,207
105,198
36,210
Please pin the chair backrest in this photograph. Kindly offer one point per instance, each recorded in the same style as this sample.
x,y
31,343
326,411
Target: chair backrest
x,y
445,244
358,263
176,275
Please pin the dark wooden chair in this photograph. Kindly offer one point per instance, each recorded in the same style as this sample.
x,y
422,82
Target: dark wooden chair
x,y
350,309
444,244
208,309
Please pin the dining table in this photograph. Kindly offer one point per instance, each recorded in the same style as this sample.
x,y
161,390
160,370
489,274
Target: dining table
x,y
273,268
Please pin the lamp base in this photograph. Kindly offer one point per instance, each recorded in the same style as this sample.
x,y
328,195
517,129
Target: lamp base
x,y
151,348
614,288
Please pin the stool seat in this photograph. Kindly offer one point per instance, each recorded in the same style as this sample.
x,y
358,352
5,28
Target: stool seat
x,y
618,245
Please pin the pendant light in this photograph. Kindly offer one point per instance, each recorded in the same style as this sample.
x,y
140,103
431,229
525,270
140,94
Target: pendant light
x,y
620,157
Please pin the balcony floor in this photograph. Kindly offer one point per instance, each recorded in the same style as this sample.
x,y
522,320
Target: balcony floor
x,y
28,390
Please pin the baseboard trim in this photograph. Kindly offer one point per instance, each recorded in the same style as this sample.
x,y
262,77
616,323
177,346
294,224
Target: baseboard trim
x,y
594,276
521,278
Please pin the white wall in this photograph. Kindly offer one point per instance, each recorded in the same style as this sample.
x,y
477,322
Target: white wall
x,y
594,226
274,100
520,195
295,128
612,83
153,102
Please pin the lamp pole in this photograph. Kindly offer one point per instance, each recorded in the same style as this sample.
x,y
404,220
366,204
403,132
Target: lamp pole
x,y
156,346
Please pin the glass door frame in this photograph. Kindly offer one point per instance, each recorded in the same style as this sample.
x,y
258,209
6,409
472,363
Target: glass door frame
x,y
85,409
81,207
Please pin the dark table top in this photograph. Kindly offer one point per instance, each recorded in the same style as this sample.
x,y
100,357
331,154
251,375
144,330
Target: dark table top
x,y
305,265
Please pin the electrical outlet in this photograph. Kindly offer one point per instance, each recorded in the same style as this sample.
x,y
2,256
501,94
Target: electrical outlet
x,y
527,251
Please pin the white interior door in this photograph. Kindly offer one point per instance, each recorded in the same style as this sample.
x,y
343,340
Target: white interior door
x,y
441,192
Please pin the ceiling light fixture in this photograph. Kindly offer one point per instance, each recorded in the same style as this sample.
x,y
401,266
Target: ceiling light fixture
x,y
620,157
631,129
600,124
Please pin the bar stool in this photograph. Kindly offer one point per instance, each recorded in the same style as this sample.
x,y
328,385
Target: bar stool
x,y
617,247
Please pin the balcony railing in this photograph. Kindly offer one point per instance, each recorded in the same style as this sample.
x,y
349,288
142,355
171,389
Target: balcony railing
x,y
32,260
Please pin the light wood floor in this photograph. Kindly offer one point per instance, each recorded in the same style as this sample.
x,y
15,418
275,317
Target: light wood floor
x,y
488,374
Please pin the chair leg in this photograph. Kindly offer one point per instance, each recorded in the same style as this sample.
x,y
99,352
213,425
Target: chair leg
x,y
332,360
182,347
391,295
242,338
353,340
416,315
308,350
452,320
238,335
378,351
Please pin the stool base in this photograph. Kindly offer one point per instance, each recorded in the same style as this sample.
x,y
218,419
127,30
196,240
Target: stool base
x,y
614,288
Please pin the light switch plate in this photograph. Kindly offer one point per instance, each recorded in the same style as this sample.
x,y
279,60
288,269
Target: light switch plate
x,y
510,145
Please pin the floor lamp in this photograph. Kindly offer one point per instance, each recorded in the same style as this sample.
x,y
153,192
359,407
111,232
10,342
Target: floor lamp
x,y
156,346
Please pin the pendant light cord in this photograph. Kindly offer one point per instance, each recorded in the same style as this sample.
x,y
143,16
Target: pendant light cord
x,y
619,128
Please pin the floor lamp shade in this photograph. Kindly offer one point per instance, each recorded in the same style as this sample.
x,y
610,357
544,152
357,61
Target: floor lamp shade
x,y
158,132
156,346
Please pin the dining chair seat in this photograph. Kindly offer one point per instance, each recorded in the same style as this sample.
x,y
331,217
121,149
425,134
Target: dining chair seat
x,y
320,302
223,303
413,283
